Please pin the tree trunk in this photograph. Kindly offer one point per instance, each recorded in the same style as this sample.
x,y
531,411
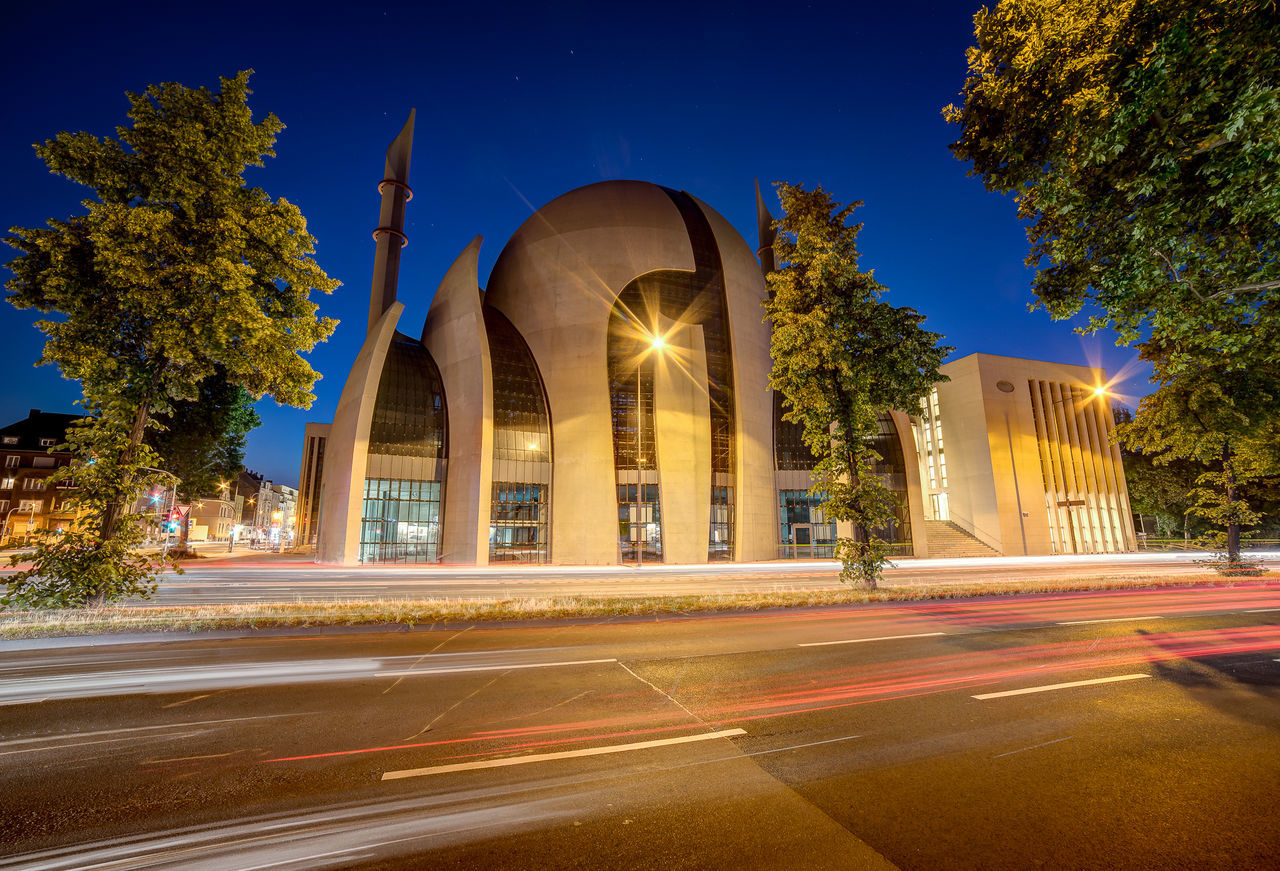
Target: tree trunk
x,y
115,509
1233,522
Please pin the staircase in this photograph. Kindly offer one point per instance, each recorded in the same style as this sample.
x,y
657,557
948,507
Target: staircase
x,y
946,539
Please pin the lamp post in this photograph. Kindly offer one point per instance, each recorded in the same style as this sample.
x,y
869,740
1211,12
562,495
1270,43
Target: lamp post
x,y
656,343
170,502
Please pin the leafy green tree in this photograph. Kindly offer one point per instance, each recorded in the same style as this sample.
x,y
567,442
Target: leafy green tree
x,y
177,270
76,567
1140,141
202,441
1211,418
1165,490
840,356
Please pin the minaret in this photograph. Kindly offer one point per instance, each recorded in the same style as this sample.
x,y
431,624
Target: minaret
x,y
764,225
389,235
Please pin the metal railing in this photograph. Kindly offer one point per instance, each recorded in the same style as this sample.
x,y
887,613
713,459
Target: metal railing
x,y
971,528
1195,544
826,551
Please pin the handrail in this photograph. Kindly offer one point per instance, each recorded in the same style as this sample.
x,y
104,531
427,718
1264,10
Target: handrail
x,y
971,528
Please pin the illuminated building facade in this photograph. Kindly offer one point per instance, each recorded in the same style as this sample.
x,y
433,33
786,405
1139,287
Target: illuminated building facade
x,y
605,400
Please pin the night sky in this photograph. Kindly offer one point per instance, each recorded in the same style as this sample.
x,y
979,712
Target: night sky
x,y
520,103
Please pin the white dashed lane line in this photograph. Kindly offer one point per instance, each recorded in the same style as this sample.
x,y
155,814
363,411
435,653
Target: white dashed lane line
x,y
1060,686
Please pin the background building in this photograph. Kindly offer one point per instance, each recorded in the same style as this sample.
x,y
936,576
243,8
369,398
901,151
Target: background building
x,y
28,501
605,400
1015,457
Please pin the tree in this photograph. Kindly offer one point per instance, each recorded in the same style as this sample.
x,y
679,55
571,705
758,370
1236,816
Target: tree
x,y
177,270
840,357
1140,142
1209,418
1164,489
202,441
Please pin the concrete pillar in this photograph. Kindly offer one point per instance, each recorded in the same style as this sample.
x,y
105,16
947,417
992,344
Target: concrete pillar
x,y
347,451
683,434
455,336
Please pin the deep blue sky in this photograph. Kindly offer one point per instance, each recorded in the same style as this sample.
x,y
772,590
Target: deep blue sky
x,y
518,103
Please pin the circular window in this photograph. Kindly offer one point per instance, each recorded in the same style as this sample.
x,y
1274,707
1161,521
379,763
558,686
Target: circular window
x,y
1004,386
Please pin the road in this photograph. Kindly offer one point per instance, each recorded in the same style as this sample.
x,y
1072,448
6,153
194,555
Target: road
x,y
1135,729
257,577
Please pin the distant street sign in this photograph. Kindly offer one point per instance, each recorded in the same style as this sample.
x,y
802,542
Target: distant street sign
x,y
180,513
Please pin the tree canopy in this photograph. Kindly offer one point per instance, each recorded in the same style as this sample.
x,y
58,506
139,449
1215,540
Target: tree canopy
x,y
1141,141
178,266
177,272
202,441
841,356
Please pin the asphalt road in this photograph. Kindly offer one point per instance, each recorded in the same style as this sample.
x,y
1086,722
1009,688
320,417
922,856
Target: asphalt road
x,y
1136,729
258,577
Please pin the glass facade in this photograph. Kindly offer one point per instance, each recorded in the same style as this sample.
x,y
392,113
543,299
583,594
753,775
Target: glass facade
x,y
519,521
804,530
721,524
409,413
791,454
400,522
892,469
518,530
639,523
696,297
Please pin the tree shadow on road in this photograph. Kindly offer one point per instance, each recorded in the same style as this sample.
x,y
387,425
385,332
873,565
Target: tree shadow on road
x,y
1244,686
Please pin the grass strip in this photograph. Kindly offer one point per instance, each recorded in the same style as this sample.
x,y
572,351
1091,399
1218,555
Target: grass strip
x,y
418,612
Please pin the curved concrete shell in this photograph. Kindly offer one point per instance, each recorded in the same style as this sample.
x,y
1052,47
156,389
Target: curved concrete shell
x,y
756,502
556,281
347,451
454,334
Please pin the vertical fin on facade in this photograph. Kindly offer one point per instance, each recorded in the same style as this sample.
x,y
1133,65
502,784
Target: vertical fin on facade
x,y
389,234
764,225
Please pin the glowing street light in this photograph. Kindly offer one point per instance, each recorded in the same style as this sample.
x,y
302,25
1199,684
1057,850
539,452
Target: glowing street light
x,y
656,343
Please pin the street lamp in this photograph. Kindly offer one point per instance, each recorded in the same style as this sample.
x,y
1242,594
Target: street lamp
x,y
656,343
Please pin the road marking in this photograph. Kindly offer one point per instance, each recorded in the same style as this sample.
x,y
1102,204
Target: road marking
x,y
563,754
1109,620
1033,746
68,735
862,640
185,701
1260,611
1060,686
431,671
24,701
191,758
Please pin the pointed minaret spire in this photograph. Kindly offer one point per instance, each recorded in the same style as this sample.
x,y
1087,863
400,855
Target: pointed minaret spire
x,y
389,235
764,224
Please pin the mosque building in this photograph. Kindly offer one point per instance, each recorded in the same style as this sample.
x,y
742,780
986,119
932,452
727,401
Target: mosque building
x,y
604,400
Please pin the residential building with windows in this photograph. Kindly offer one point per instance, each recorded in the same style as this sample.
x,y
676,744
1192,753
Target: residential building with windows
x,y
29,501
605,399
